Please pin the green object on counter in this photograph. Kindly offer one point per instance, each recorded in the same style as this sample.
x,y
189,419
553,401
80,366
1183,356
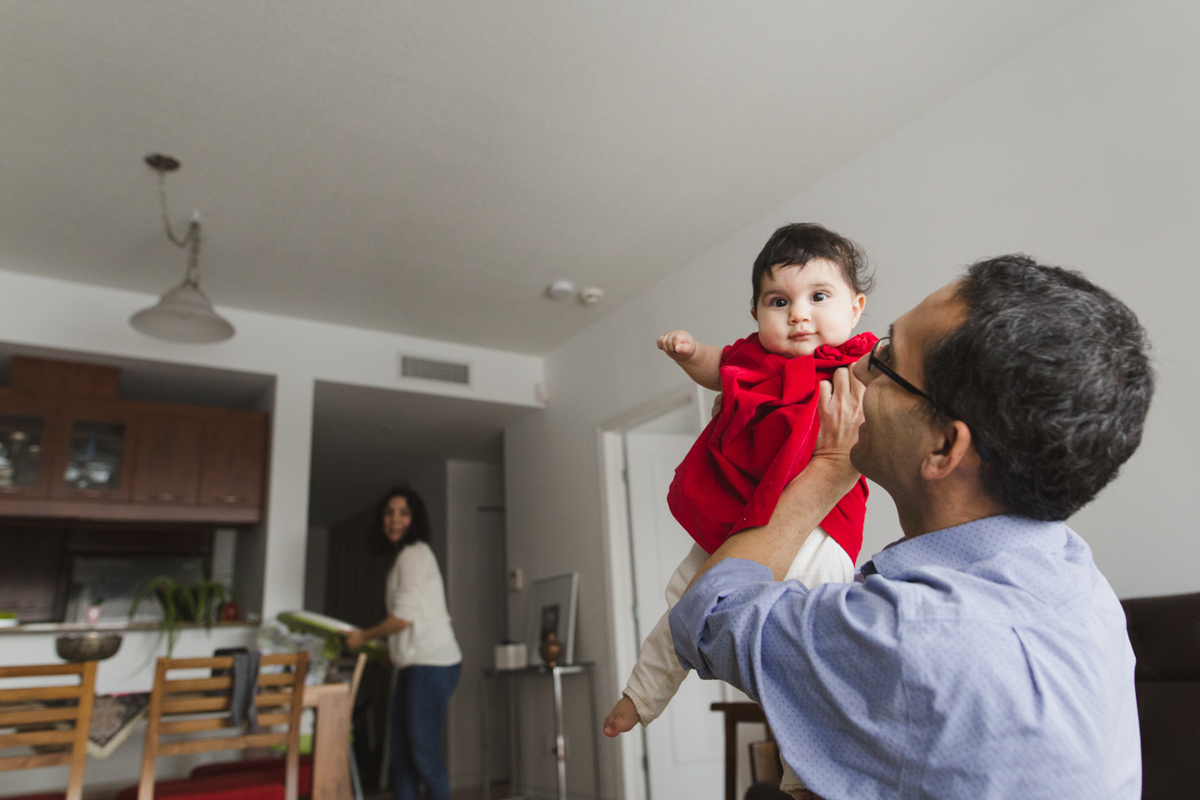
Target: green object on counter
x,y
183,603
333,630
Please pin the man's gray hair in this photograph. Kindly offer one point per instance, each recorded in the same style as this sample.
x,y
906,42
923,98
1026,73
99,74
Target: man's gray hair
x,y
1054,378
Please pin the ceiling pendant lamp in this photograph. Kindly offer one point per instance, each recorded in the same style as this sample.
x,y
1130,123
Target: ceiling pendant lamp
x,y
184,314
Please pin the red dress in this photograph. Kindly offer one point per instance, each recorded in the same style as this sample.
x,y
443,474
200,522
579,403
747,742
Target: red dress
x,y
764,436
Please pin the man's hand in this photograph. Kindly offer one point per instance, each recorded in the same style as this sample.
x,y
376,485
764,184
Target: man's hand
x,y
355,639
622,717
679,345
840,411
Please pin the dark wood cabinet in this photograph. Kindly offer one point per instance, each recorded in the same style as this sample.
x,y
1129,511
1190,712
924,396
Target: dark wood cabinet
x,y
33,572
27,442
70,448
235,454
92,458
167,457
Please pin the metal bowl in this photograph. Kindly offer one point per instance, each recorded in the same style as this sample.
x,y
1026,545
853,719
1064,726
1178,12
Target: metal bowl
x,y
93,646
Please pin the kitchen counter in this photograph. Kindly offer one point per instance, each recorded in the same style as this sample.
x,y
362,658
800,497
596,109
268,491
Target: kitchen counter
x,y
60,628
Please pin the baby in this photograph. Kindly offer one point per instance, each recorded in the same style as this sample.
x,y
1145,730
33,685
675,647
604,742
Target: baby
x,y
810,289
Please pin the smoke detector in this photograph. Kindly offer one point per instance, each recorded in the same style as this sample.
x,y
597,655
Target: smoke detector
x,y
591,295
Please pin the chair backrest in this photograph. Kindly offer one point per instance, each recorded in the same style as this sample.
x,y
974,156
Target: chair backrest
x,y
765,766
53,720
194,715
1165,634
360,664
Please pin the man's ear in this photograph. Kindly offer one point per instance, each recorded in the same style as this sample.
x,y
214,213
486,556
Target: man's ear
x,y
949,444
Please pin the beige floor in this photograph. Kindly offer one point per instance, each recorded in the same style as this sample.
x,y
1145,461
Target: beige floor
x,y
499,790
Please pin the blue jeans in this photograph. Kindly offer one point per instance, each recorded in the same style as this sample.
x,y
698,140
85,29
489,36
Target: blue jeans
x,y
418,716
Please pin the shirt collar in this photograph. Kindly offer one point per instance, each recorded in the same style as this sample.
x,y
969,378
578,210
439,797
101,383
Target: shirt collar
x,y
966,544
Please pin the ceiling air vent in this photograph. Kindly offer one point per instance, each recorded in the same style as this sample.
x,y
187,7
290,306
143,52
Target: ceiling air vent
x,y
432,370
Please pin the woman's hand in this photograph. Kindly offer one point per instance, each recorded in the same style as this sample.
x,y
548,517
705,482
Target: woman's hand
x,y
355,639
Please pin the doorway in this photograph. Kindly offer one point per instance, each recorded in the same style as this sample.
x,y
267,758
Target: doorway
x,y
681,754
451,451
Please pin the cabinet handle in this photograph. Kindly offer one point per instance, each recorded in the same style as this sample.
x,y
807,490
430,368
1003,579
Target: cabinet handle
x,y
231,498
9,489
168,498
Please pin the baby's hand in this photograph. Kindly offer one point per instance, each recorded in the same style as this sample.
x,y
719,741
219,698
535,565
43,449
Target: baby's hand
x,y
679,345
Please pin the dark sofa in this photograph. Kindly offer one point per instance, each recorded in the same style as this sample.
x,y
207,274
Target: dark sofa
x,y
1165,633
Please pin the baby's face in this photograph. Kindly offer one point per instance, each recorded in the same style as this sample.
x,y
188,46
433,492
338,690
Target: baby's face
x,y
802,308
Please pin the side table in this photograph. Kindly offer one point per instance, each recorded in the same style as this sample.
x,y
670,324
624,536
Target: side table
x,y
555,674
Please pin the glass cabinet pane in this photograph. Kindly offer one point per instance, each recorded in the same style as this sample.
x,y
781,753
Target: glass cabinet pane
x,y
20,450
94,458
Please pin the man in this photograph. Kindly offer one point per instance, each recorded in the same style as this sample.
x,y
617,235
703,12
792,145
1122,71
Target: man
x,y
983,655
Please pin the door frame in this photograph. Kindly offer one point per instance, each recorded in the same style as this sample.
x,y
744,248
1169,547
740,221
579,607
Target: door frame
x,y
623,635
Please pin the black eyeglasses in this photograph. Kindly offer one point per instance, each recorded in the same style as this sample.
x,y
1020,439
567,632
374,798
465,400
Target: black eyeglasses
x,y
874,361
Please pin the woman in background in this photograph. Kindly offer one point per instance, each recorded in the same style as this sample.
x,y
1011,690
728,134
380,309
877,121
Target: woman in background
x,y
421,643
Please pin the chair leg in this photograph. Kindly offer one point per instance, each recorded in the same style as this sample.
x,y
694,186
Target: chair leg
x,y
358,795
385,762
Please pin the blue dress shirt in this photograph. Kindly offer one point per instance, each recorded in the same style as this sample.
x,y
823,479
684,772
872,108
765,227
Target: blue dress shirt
x,y
989,660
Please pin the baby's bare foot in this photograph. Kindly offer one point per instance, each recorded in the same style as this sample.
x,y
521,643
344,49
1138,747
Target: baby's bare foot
x,y
622,717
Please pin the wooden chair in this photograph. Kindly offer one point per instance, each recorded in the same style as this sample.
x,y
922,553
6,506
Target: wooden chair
x,y
38,717
339,729
196,715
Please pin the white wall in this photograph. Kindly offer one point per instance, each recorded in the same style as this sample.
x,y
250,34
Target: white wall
x,y
1081,151
475,592
45,313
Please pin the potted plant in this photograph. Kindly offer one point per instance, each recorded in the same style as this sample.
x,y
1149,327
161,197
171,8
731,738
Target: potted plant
x,y
183,603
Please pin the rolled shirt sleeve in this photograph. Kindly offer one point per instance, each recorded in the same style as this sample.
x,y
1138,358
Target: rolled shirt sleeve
x,y
990,660
830,683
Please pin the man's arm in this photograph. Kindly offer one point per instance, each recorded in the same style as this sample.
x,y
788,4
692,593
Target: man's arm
x,y
814,492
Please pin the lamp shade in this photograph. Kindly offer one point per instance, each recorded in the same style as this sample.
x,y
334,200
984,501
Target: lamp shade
x,y
184,314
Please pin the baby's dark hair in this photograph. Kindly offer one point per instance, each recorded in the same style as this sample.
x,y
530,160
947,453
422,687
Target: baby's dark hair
x,y
796,244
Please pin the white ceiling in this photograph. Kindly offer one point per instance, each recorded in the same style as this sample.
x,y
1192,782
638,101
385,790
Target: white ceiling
x,y
427,168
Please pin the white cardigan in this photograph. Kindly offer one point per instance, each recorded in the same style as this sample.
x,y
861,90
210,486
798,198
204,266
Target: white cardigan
x,y
415,594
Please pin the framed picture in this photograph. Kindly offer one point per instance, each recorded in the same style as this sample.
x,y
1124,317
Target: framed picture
x,y
552,605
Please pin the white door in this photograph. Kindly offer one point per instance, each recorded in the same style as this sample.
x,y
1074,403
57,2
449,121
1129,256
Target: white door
x,y
684,746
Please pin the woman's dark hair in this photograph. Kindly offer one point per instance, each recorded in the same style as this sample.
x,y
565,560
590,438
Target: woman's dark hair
x,y
796,244
1053,376
418,531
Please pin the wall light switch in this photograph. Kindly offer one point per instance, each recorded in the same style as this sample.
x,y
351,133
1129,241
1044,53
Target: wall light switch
x,y
516,579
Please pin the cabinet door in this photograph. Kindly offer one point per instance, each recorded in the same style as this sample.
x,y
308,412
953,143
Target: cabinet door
x,y
95,462
235,458
25,443
167,458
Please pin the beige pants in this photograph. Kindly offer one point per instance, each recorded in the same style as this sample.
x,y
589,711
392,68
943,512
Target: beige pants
x,y
657,674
